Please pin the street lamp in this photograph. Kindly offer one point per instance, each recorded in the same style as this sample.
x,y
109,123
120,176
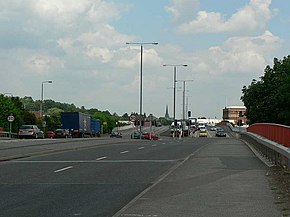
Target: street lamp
x,y
174,89
183,101
141,74
41,103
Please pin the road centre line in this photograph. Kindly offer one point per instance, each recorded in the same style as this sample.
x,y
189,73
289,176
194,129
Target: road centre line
x,y
63,169
124,152
101,158
140,148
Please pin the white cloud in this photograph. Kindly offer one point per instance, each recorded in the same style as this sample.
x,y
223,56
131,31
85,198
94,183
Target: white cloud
x,y
252,17
105,36
238,55
67,11
104,54
182,10
41,63
132,57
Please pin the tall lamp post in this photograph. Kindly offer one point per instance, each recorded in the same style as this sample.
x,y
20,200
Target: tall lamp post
x,y
141,75
174,89
183,100
41,103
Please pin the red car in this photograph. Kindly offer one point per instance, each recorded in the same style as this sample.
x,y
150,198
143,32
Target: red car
x,y
62,133
153,136
50,134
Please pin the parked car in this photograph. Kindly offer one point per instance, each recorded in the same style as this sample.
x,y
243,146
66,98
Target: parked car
x,y
62,133
116,134
153,136
220,133
136,135
50,134
30,131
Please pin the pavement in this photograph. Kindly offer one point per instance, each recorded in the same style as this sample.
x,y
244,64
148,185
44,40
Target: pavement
x,y
221,179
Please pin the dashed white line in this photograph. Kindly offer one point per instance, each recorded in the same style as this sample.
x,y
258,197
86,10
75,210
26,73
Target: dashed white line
x,y
124,152
63,169
101,158
140,148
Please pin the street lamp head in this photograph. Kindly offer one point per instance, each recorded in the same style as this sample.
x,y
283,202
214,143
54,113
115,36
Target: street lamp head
x,y
48,81
142,43
175,65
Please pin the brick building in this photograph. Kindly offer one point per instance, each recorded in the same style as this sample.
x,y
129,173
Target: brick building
x,y
235,114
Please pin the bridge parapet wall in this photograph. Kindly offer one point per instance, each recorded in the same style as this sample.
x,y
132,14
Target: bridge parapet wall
x,y
274,132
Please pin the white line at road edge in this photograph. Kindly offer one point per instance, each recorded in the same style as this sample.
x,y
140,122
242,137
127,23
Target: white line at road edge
x,y
101,158
63,169
124,152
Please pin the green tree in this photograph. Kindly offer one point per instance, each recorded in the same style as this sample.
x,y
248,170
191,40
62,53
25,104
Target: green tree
x,y
11,106
268,100
53,118
108,121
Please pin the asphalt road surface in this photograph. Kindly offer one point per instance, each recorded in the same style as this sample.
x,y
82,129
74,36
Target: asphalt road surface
x,y
97,181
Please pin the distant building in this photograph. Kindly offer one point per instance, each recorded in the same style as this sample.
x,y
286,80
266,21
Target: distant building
x,y
235,114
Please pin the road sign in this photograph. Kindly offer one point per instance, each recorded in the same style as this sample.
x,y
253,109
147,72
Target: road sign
x,y
10,118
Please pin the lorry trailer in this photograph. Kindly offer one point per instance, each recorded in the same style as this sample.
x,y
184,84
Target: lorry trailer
x,y
80,124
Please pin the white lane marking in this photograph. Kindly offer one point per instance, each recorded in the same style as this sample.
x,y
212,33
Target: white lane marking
x,y
63,169
101,158
124,152
154,145
141,148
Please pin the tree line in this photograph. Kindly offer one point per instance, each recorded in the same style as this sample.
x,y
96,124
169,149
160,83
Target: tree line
x,y
25,109
268,100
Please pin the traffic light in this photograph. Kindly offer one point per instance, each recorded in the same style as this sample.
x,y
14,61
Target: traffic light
x,y
240,123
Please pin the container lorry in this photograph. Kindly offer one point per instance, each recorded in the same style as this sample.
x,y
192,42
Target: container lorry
x,y
80,124
95,127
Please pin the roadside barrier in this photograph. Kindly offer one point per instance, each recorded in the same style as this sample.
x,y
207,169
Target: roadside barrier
x,y
274,132
275,153
7,135
272,141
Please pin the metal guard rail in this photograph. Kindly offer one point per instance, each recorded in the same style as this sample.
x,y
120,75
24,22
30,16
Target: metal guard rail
x,y
275,153
4,134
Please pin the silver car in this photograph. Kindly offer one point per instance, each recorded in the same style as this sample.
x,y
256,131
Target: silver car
x,y
30,131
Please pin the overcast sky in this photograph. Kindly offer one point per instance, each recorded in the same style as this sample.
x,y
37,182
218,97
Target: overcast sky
x,y
81,46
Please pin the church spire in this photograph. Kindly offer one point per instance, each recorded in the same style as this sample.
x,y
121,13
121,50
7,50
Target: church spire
x,y
166,113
